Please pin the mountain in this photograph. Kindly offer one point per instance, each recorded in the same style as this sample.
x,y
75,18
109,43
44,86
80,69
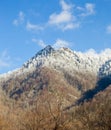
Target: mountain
x,y
58,89
37,60
76,70
66,59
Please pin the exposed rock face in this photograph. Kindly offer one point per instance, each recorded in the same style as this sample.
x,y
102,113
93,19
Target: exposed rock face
x,y
105,69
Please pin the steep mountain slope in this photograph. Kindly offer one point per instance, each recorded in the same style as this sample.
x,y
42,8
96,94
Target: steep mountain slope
x,y
58,89
29,86
75,69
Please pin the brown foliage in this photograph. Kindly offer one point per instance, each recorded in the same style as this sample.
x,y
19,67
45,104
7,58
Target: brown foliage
x,y
45,95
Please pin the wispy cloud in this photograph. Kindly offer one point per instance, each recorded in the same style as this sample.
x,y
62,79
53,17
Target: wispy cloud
x,y
89,9
20,19
33,27
71,26
39,42
58,43
7,62
4,59
61,43
65,19
70,17
65,6
91,52
108,29
103,53
64,16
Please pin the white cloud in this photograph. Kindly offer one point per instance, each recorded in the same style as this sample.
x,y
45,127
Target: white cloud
x,y
65,6
20,19
103,53
65,19
8,63
33,27
108,29
107,51
39,42
80,8
70,17
89,9
91,52
3,63
61,43
4,59
71,26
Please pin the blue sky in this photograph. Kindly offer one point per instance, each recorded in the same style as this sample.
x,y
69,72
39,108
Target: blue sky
x,y
26,26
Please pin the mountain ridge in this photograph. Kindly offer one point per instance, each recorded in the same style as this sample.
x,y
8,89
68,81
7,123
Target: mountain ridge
x,y
66,59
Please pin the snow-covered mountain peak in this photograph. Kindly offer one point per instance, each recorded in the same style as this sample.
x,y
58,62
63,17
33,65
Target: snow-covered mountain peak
x,y
68,60
39,55
47,50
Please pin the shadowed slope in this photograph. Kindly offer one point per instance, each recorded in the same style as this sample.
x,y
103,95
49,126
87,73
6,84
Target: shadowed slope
x,y
102,84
